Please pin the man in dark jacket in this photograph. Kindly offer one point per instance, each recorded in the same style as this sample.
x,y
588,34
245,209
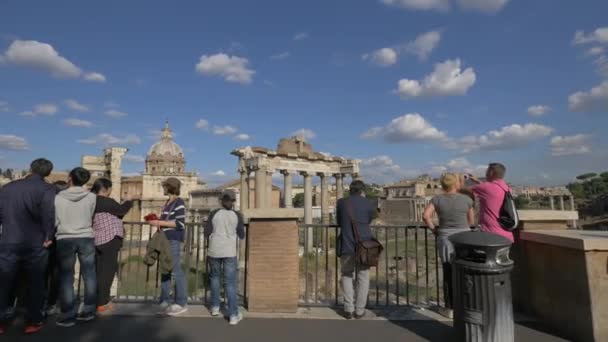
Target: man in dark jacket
x,y
362,211
27,217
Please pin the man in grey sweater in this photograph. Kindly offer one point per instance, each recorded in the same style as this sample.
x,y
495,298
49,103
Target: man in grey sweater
x,y
224,227
74,210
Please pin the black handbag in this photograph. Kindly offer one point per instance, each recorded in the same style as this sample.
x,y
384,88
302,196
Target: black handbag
x,y
367,253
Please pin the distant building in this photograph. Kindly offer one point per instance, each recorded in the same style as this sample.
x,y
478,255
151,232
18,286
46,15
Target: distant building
x,y
529,191
423,186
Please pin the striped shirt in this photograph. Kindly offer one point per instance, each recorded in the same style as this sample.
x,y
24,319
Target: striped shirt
x,y
175,211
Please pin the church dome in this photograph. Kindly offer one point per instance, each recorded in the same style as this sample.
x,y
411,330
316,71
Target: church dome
x,y
166,147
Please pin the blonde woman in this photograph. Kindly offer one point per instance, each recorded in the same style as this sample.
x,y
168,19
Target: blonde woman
x,y
456,214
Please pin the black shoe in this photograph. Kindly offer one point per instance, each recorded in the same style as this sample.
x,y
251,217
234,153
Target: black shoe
x,y
66,323
85,316
348,315
357,316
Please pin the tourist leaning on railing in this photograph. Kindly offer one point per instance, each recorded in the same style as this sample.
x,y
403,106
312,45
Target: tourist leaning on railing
x,y
456,214
109,233
173,223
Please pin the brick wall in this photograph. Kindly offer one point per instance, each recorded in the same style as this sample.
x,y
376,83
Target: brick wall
x,y
272,279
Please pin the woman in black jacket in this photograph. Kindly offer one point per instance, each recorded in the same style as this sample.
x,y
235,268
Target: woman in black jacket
x,y
109,233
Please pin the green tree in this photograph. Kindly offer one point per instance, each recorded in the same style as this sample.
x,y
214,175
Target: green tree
x,y
8,173
586,176
521,202
298,200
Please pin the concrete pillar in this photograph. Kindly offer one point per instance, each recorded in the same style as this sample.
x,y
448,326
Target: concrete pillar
x,y
572,206
260,188
339,185
324,199
287,189
552,202
244,189
561,203
269,198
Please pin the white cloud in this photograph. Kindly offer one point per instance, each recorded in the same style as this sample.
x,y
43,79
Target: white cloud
x,y
113,113
4,106
242,137
538,110
601,64
280,56
76,106
78,123
300,36
409,127
486,6
570,145
439,5
447,79
134,158
506,138
305,133
382,169
595,51
231,68
107,139
42,56
94,77
219,173
43,109
13,143
424,44
381,57
202,124
599,36
224,130
594,100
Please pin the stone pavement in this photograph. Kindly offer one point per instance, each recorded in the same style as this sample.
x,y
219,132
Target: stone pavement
x,y
307,326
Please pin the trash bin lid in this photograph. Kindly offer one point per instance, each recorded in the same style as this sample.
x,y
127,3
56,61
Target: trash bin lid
x,y
479,239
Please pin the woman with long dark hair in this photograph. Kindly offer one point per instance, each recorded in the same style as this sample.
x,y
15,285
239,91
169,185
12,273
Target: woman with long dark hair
x,y
109,233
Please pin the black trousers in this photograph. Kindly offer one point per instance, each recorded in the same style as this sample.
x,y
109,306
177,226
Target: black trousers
x,y
447,285
107,266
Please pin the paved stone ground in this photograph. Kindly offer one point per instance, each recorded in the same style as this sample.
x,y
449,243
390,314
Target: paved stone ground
x,y
316,325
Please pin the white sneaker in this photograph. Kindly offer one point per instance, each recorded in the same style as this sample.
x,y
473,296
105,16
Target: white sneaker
x,y
162,308
234,320
215,311
176,310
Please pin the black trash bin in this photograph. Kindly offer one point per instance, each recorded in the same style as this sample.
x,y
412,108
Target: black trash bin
x,y
483,308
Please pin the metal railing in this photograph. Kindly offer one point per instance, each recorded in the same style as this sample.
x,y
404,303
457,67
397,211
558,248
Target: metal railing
x,y
408,273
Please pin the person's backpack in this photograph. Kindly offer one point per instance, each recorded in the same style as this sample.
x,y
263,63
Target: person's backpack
x,y
508,217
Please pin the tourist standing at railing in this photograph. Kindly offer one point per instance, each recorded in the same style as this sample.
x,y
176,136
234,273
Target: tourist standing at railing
x,y
173,223
74,208
109,233
52,272
223,229
491,194
27,217
356,207
456,214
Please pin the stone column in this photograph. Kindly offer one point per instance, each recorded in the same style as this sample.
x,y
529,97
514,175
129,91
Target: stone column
x,y
552,202
572,206
269,198
244,189
260,188
561,203
287,189
307,197
339,185
324,199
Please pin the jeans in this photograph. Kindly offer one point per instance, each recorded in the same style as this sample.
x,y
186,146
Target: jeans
x,y
67,250
181,296
355,297
107,266
52,277
229,268
34,261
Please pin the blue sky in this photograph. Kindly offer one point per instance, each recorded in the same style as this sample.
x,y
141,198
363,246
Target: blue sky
x,y
407,86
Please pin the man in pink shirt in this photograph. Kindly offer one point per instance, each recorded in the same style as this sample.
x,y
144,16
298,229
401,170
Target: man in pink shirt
x,y
491,194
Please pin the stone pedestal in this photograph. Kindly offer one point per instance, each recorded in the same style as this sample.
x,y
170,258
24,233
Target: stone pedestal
x,y
273,266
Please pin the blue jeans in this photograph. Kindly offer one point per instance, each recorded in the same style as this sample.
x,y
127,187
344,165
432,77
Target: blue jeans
x,y
181,296
34,261
67,250
229,267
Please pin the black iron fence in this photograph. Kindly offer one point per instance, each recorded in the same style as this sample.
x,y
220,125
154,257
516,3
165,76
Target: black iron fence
x,y
409,273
